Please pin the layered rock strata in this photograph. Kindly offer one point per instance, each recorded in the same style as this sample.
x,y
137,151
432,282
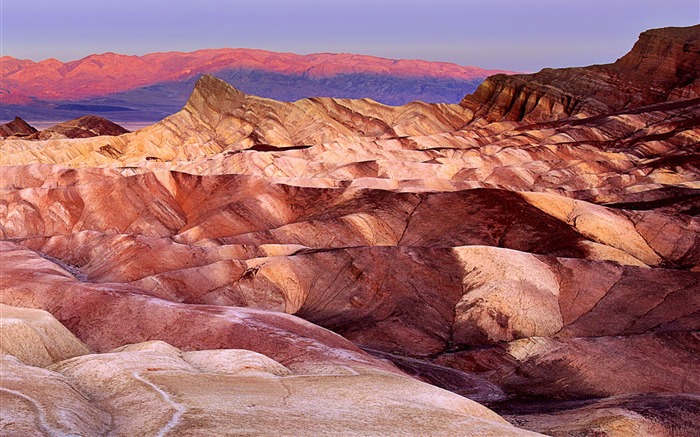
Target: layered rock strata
x,y
662,66
545,264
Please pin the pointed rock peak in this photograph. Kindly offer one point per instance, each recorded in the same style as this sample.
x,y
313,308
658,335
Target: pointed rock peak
x,y
16,127
211,83
213,94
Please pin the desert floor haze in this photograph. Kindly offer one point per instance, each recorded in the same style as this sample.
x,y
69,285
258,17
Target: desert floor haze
x,y
523,261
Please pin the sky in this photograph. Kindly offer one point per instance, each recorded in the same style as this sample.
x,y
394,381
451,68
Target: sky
x,y
518,35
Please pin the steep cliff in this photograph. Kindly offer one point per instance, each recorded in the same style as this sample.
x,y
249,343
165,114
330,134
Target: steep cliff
x,y
662,66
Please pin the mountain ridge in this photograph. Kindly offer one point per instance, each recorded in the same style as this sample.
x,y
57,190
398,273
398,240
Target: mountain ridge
x,y
26,79
148,88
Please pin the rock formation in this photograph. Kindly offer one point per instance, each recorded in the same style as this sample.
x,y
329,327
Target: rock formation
x,y
662,66
83,127
633,415
153,388
16,127
545,264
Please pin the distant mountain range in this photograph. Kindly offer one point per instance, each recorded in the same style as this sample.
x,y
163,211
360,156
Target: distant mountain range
x,y
150,87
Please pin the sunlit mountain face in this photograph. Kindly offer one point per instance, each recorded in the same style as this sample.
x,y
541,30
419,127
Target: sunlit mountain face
x,y
151,87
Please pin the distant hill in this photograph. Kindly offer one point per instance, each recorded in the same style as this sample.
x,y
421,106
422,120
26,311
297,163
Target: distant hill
x,y
16,127
83,127
150,87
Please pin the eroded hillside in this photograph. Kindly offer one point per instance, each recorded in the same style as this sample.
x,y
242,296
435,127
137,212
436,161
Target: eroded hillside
x,y
535,248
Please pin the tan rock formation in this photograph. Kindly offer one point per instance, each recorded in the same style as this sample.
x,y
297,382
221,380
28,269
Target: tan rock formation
x,y
417,147
35,337
37,401
154,388
180,397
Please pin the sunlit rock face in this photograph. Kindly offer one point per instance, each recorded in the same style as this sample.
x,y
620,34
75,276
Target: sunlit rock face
x,y
545,264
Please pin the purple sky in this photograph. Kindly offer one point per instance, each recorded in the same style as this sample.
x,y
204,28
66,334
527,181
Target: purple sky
x,y
509,34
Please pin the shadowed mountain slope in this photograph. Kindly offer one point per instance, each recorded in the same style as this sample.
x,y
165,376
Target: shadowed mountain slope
x,y
16,127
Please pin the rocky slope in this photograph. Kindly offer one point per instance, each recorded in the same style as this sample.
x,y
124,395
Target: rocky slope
x,y
153,388
16,127
549,270
626,156
82,127
662,66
